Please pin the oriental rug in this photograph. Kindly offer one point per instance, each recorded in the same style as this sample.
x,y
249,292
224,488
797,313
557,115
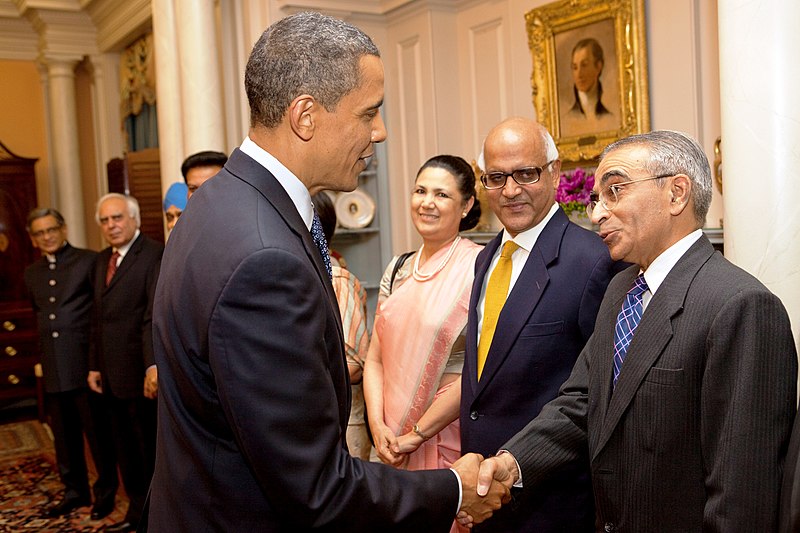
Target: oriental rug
x,y
29,485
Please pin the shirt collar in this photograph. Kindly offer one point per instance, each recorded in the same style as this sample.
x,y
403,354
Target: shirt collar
x,y
51,258
661,266
122,250
291,184
527,239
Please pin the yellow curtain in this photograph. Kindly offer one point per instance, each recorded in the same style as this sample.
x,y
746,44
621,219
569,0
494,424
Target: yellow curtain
x,y
137,77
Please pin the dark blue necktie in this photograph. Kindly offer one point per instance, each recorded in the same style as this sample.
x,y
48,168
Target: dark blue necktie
x,y
319,239
627,321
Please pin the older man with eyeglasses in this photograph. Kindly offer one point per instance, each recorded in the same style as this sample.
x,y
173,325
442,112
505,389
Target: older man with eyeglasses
x,y
538,285
60,284
685,393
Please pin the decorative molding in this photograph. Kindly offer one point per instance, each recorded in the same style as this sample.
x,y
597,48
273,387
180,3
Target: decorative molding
x,y
54,5
488,76
63,34
8,9
18,40
120,22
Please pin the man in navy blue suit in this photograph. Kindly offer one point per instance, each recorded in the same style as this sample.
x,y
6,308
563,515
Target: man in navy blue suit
x,y
254,394
559,273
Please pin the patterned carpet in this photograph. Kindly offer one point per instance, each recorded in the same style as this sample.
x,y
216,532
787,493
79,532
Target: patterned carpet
x,y
29,484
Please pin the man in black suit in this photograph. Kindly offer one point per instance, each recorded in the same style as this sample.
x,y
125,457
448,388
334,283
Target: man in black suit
x,y
558,276
122,366
790,491
686,391
61,289
254,392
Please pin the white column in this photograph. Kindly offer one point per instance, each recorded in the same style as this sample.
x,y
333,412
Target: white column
x,y
65,167
168,93
760,84
201,87
107,121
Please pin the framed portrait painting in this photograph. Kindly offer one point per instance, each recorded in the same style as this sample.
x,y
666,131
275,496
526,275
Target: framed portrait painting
x,y
589,76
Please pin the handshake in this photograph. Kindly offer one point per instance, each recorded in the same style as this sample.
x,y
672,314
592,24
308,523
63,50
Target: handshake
x,y
485,485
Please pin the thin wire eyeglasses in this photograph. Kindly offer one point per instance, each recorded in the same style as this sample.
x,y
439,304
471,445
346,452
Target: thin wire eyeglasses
x,y
523,176
47,231
609,198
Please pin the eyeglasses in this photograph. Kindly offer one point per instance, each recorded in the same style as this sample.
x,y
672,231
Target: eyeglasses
x,y
609,197
47,231
523,176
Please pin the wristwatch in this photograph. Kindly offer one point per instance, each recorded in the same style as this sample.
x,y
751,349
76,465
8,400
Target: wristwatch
x,y
416,430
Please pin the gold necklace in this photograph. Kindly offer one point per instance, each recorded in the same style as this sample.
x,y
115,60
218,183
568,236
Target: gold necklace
x,y
419,276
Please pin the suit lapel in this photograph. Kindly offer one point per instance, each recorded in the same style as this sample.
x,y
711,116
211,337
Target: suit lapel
x,y
471,353
525,295
127,261
652,335
251,172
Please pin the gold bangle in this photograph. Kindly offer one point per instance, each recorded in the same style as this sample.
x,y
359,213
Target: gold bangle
x,y
416,430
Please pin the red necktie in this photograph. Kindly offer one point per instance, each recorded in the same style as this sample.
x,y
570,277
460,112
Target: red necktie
x,y
112,267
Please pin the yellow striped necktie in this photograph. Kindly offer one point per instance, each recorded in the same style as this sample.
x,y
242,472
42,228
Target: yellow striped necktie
x,y
496,292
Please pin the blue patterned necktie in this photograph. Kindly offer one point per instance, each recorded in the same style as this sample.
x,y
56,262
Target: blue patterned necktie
x,y
627,321
319,239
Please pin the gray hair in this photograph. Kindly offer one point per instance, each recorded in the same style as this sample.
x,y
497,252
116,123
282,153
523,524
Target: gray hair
x,y
673,152
133,206
550,145
306,53
41,212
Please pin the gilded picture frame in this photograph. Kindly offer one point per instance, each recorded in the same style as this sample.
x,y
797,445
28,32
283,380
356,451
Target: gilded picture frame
x,y
584,101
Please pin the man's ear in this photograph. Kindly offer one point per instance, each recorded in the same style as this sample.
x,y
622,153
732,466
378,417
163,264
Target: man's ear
x,y
301,116
681,191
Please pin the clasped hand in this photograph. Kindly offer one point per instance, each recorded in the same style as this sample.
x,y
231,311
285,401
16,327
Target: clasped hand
x,y
486,485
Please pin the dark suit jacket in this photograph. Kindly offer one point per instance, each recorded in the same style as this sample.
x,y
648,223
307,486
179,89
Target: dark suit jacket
x,y
65,322
254,393
694,436
790,492
122,347
546,320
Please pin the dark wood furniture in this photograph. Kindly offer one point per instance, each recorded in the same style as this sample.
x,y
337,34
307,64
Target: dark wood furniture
x,y
19,348
139,174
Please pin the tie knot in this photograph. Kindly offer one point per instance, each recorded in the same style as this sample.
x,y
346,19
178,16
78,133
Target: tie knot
x,y
639,286
508,249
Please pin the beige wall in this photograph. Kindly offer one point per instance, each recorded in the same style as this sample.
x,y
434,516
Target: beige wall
x,y
22,118
452,73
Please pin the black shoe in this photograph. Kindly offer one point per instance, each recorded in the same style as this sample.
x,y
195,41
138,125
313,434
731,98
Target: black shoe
x,y
66,506
101,510
121,527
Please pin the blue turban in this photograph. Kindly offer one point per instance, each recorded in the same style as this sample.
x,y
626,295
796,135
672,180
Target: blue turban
x,y
176,195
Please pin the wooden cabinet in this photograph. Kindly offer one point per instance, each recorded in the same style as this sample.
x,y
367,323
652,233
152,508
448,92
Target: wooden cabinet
x,y
19,352
139,174
19,355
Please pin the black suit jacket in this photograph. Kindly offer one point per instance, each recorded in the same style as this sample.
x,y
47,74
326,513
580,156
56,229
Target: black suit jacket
x,y
254,393
62,299
790,491
545,322
122,346
693,437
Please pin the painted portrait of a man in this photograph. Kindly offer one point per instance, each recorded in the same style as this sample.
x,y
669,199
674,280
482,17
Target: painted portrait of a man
x,y
587,80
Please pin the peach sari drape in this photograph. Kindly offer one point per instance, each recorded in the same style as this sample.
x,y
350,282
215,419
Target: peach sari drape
x,y
417,326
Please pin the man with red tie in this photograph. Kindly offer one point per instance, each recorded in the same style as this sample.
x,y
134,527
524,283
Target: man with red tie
x,y
121,363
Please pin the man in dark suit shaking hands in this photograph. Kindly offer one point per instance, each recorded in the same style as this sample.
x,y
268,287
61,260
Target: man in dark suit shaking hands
x,y
121,363
254,393
521,349
685,393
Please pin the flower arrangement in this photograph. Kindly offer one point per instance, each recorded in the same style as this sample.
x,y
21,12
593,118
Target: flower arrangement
x,y
573,191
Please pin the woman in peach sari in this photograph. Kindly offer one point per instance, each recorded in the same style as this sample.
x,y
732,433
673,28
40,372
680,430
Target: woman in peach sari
x,y
412,376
